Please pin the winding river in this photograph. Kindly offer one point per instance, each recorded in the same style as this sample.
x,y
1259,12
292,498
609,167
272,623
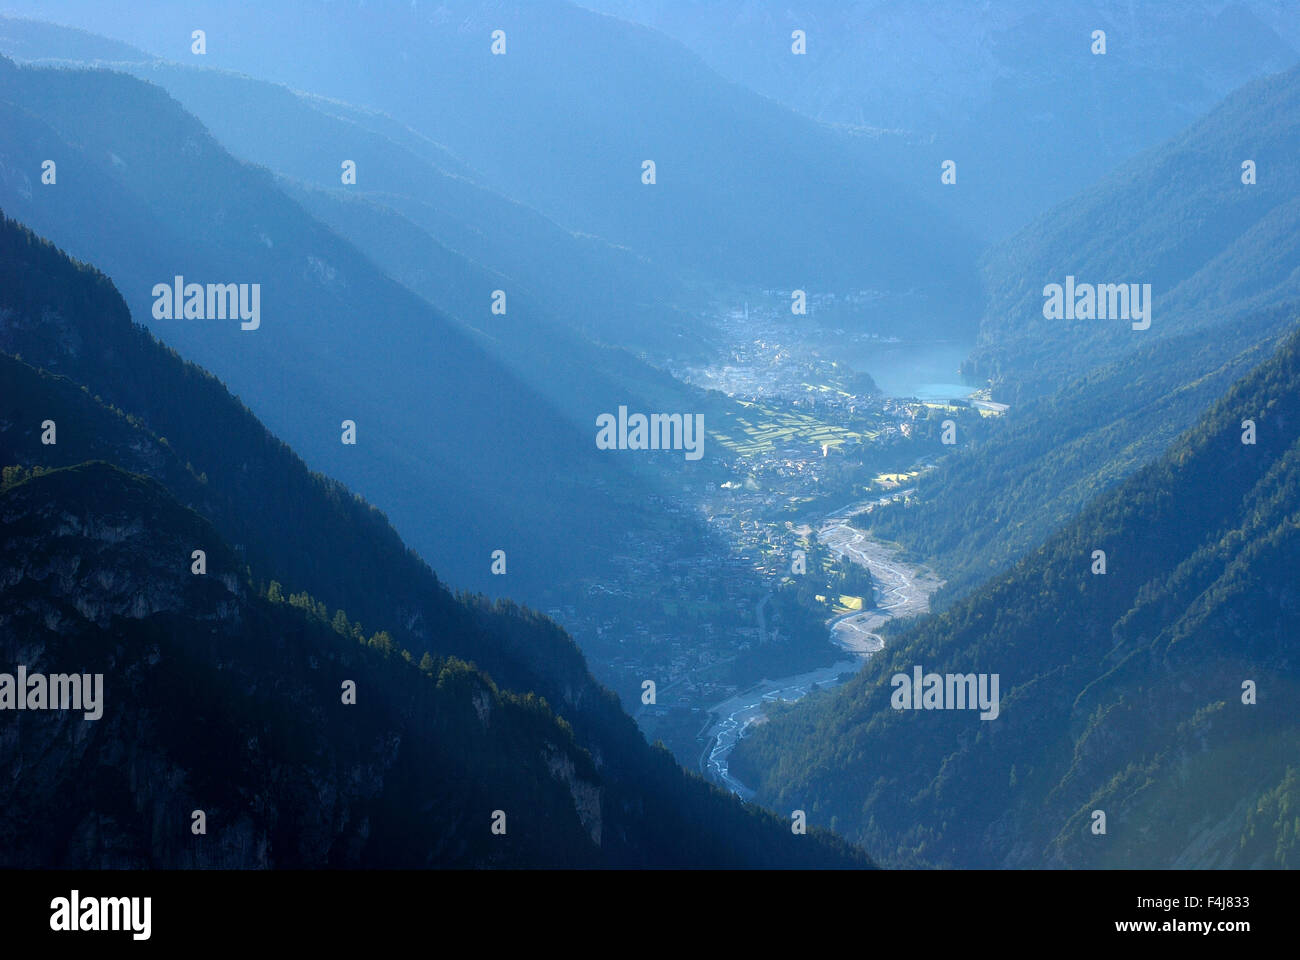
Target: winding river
x,y
902,590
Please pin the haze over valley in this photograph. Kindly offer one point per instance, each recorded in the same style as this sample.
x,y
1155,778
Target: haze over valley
x,y
637,391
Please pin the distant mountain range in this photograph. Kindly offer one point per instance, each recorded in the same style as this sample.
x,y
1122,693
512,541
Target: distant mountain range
x,y
1011,91
746,192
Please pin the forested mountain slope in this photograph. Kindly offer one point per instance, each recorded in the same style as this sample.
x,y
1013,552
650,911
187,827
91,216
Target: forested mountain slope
x,y
1159,692
1178,217
216,699
294,555
1094,399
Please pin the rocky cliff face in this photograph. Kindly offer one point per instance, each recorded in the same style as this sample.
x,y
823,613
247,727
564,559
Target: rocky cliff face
x,y
216,700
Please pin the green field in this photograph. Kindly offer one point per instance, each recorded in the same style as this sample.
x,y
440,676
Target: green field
x,y
764,430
